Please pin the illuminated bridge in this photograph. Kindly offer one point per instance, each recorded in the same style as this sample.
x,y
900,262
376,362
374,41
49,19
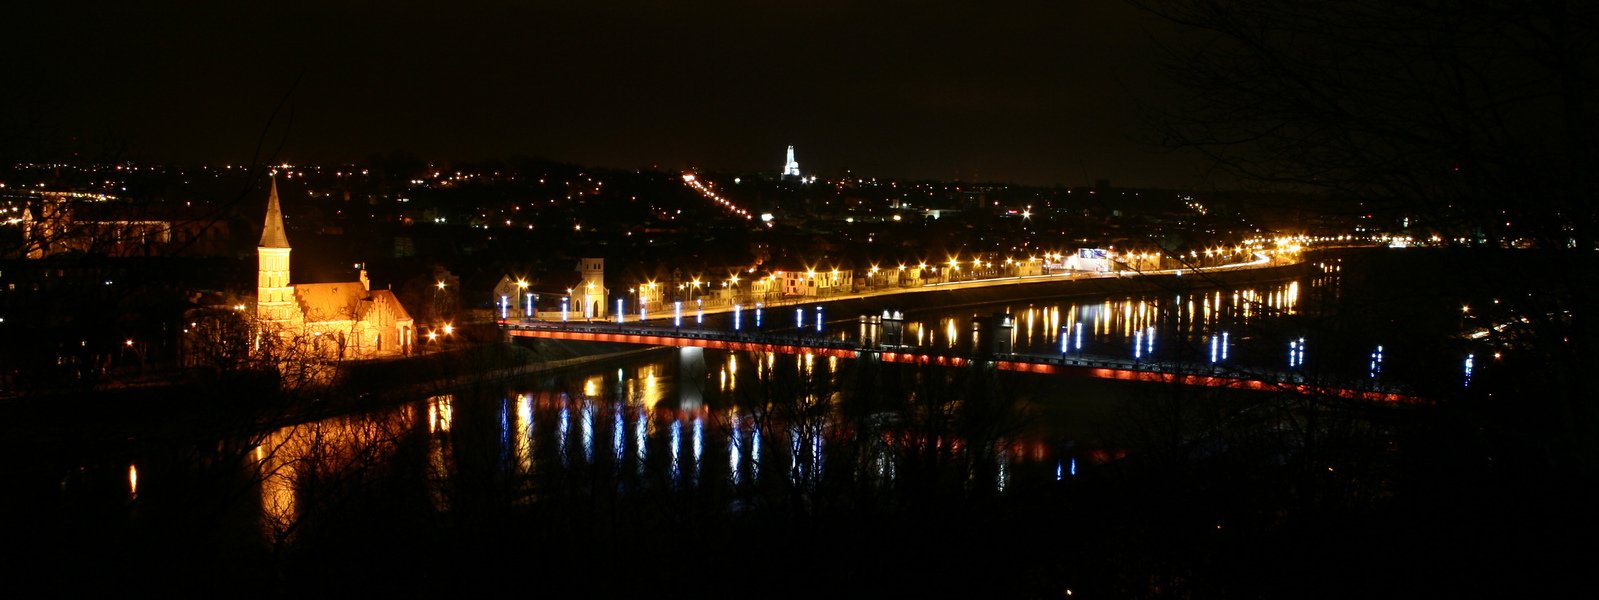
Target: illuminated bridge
x,y
1102,367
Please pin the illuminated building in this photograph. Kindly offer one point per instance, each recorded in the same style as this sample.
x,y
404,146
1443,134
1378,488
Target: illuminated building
x,y
589,296
791,166
346,320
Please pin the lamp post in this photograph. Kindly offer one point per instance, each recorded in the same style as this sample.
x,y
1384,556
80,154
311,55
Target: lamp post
x,y
521,284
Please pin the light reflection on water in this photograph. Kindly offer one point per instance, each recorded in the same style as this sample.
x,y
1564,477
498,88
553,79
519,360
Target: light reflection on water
x,y
660,434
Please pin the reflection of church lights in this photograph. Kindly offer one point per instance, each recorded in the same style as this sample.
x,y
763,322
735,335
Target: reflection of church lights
x,y
439,413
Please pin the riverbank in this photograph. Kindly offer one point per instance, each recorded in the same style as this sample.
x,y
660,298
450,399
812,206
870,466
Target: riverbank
x,y
846,308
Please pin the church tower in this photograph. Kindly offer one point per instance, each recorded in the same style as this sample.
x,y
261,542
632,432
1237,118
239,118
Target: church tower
x,y
590,298
791,167
274,299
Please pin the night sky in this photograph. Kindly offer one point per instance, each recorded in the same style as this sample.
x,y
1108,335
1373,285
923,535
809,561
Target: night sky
x,y
1044,92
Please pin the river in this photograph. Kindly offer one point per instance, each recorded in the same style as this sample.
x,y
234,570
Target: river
x,y
703,461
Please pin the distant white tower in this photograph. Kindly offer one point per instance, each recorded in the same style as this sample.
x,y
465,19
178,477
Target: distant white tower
x,y
791,168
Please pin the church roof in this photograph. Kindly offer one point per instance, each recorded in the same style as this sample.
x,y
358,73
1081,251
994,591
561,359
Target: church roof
x,y
331,301
272,234
346,301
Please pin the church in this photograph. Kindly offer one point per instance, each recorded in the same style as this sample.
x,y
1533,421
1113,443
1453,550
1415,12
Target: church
x,y
341,320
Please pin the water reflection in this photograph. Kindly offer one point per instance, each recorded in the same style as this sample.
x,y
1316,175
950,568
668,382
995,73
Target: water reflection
x,y
895,428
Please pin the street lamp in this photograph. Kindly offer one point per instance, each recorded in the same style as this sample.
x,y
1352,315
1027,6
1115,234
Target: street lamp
x,y
522,285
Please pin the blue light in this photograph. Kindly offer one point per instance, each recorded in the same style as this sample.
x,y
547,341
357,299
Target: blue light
x,y
1074,467
1138,344
737,316
757,315
799,318
1213,340
505,302
677,313
1065,335
563,308
1470,360
1079,336
818,319
1224,345
621,315
1151,339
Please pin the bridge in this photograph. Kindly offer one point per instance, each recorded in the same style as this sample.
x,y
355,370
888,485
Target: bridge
x,y
1101,367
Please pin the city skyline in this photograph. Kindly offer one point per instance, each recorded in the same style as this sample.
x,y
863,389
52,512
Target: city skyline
x,y
1038,94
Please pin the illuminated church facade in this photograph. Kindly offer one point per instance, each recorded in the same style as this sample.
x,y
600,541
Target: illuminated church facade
x,y
340,320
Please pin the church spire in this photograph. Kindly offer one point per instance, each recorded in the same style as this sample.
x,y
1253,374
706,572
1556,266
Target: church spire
x,y
272,234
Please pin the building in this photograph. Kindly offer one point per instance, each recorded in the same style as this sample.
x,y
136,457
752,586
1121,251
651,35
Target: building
x,y
810,282
791,166
340,320
71,222
589,296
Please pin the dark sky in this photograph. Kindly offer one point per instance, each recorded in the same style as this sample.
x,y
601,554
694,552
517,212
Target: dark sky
x,y
1037,92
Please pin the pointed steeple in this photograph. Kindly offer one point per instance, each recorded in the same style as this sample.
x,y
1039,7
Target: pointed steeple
x,y
272,234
